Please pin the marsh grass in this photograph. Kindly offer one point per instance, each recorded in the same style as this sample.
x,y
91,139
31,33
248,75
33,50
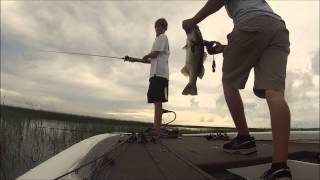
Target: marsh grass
x,y
29,137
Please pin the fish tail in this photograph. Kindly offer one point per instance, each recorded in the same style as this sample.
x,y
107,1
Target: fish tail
x,y
190,90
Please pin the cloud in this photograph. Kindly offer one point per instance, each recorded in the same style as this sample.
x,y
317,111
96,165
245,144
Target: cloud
x,y
194,104
315,63
117,89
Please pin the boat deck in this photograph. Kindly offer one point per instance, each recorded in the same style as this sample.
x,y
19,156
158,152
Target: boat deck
x,y
183,158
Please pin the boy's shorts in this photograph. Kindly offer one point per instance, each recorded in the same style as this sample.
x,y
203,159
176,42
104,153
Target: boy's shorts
x,y
158,90
261,43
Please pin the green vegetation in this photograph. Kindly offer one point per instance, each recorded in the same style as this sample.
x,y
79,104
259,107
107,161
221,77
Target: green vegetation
x,y
29,137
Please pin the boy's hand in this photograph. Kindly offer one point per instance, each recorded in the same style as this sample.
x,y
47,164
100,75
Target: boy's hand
x,y
130,59
145,58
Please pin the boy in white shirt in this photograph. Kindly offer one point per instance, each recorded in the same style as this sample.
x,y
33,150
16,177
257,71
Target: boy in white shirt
x,y
159,71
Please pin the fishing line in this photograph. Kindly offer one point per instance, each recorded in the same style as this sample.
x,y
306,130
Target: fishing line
x,y
95,160
82,54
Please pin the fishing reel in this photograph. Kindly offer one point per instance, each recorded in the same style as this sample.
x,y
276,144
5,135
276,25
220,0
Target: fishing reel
x,y
148,136
210,46
211,49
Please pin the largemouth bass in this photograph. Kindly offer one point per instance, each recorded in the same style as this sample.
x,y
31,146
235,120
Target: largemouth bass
x,y
195,57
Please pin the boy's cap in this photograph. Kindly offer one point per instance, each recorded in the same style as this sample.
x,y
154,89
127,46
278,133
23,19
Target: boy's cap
x,y
161,22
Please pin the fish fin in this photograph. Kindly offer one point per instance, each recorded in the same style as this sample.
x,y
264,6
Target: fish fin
x,y
185,71
185,46
201,72
190,90
204,56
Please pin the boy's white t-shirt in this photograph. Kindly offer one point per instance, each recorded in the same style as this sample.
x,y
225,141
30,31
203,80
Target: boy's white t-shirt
x,y
159,65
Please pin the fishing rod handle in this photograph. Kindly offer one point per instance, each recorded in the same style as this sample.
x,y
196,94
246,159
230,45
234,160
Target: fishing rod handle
x,y
131,59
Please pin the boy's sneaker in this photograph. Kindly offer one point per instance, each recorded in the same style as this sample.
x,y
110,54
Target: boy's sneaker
x,y
279,174
239,145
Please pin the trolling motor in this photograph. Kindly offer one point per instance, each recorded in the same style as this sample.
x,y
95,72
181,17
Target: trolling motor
x,y
168,111
171,133
164,132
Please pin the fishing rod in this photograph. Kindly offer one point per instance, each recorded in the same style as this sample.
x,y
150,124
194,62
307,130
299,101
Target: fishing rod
x,y
126,58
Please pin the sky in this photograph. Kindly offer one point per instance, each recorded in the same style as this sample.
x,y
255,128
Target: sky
x,y
112,88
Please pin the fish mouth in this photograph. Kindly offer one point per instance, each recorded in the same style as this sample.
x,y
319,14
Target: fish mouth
x,y
195,36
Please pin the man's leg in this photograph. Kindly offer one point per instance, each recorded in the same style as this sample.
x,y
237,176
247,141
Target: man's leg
x,y
280,124
243,143
157,115
236,109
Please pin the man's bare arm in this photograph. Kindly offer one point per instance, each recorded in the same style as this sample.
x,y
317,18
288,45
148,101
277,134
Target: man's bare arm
x,y
209,8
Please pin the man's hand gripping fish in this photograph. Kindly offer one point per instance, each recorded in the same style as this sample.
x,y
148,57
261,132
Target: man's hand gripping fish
x,y
195,57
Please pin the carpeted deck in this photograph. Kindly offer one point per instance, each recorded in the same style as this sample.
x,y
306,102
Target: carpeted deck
x,y
186,158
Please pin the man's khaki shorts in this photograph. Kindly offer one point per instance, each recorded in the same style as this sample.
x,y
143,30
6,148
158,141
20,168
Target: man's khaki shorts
x,y
261,43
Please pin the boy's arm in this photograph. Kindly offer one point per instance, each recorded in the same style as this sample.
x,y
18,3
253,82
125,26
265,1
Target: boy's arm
x,y
209,8
158,46
147,58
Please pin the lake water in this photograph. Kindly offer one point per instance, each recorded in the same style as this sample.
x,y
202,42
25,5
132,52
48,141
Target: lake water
x,y
294,135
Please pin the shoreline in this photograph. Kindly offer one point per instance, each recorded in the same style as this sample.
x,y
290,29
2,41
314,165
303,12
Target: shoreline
x,y
60,116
